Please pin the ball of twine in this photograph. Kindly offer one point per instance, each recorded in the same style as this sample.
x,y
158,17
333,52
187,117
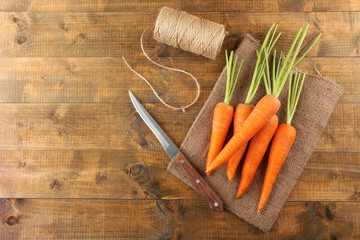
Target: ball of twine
x,y
188,32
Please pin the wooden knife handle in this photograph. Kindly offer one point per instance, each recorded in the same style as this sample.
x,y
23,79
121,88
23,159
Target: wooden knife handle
x,y
199,183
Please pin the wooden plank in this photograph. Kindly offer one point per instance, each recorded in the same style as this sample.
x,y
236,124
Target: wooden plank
x,y
133,6
151,219
143,175
319,6
269,6
86,126
118,127
85,80
196,5
103,80
329,173
84,6
99,34
88,174
342,131
343,71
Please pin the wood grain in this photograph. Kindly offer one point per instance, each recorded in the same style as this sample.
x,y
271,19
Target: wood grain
x,y
84,6
100,80
143,175
164,219
99,34
41,126
196,5
87,174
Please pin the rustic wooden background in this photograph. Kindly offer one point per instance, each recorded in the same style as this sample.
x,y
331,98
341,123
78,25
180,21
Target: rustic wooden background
x,y
78,163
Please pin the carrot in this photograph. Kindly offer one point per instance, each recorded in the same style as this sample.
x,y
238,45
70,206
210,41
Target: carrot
x,y
241,113
269,104
223,112
243,110
223,115
284,138
257,148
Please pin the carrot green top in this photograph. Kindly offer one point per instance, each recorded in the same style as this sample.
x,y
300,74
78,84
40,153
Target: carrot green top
x,y
275,84
230,76
267,46
295,87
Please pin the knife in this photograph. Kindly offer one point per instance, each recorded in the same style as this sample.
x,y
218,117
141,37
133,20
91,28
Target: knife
x,y
178,157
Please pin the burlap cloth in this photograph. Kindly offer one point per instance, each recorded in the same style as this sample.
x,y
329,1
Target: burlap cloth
x,y
317,100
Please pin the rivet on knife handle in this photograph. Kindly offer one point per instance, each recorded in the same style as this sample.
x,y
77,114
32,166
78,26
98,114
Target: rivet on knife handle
x,y
199,183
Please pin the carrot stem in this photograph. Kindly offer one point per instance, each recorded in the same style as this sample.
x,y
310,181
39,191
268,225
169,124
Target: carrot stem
x,y
273,70
231,80
308,50
295,87
268,44
275,84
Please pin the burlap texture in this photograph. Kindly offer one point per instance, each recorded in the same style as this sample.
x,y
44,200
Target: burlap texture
x,y
318,98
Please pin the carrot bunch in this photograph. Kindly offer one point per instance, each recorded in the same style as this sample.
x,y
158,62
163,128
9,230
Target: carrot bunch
x,y
274,81
259,124
266,108
223,112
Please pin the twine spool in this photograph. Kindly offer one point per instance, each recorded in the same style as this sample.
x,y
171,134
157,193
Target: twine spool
x,y
188,32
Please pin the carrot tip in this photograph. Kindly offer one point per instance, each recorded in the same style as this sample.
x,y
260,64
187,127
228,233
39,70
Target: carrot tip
x,y
240,192
238,195
260,208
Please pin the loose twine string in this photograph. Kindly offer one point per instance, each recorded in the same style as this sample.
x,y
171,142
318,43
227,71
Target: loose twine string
x,y
188,32
168,68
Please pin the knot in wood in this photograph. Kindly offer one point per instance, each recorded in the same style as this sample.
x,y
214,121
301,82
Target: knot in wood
x,y
138,172
55,185
101,177
12,220
324,211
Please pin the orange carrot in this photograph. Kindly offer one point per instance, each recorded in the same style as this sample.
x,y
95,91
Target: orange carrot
x,y
223,112
243,110
223,115
257,148
241,113
284,138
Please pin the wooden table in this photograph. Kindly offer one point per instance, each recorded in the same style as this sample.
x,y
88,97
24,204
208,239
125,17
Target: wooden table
x,y
77,162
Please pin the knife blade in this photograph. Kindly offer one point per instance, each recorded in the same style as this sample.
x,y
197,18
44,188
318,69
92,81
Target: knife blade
x,y
178,157
170,148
